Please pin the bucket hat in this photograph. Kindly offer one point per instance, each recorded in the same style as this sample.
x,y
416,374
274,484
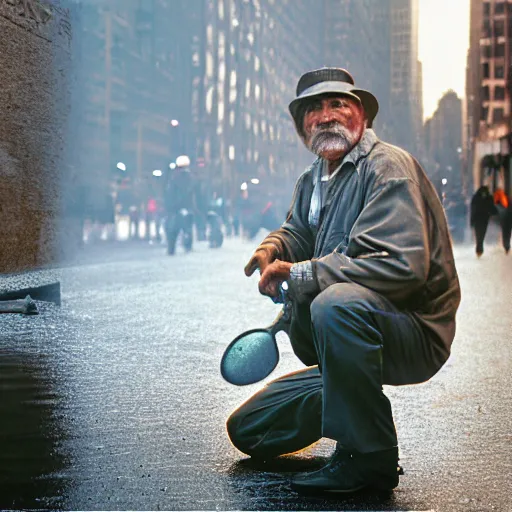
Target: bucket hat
x,y
325,81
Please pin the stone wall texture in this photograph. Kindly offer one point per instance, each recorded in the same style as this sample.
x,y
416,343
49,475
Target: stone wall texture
x,y
35,122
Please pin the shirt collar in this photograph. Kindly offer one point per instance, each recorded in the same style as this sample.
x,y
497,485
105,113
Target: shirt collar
x,y
360,150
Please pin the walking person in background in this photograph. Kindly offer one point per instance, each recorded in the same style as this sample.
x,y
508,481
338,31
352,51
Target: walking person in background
x,y
506,227
504,207
482,209
153,217
367,256
180,205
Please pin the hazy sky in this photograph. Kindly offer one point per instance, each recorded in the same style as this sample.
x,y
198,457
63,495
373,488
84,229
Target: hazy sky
x,y
443,45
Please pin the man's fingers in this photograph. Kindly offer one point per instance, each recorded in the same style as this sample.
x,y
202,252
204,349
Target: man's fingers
x,y
251,267
267,284
257,261
268,289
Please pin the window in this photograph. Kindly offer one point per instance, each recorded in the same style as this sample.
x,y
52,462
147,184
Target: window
x,y
485,70
487,9
499,71
499,50
486,29
485,93
497,115
486,52
499,8
484,114
499,93
499,28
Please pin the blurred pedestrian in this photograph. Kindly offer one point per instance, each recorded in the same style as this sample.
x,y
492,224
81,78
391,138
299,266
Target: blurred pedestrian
x,y
368,261
180,205
134,214
506,228
201,193
153,218
504,207
482,209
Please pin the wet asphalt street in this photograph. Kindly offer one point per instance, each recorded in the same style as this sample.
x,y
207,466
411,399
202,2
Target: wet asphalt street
x,y
114,401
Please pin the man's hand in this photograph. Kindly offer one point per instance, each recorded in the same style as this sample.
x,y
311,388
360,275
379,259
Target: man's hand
x,y
273,275
264,255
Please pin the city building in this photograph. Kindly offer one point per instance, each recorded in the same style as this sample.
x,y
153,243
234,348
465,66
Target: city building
x,y
472,103
406,98
127,100
443,146
489,94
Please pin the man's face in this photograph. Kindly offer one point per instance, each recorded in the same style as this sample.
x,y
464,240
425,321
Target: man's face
x,y
333,126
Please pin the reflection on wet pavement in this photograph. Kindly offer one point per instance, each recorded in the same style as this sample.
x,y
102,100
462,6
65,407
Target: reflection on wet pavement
x,y
30,433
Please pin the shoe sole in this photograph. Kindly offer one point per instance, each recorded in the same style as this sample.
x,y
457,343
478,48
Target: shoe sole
x,y
369,487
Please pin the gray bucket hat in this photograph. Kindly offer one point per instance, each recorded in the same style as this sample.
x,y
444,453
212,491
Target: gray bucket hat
x,y
330,81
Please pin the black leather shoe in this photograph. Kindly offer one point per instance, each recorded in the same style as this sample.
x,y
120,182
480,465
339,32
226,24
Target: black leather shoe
x,y
349,473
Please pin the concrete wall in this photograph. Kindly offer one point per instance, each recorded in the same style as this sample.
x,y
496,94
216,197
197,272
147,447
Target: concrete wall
x,y
35,101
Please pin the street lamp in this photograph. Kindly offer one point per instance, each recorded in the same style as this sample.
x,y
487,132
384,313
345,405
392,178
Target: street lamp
x,y
444,181
157,172
172,166
121,166
243,186
174,123
255,181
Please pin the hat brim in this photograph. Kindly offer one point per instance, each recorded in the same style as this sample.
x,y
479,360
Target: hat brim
x,y
367,99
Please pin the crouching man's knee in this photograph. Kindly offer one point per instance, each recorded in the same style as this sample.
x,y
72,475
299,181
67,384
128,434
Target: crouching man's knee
x,y
336,297
243,437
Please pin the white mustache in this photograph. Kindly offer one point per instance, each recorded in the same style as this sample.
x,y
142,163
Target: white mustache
x,y
328,136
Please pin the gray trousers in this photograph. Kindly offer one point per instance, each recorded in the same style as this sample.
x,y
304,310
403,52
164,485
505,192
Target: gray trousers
x,y
354,341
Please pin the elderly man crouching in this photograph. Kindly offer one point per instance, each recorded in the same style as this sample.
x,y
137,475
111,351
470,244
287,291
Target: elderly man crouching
x,y
367,256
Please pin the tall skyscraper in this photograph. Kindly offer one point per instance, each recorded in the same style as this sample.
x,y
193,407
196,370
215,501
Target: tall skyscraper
x,y
406,76
443,145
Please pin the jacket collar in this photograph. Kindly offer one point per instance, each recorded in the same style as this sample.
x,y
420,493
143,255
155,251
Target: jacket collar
x,y
362,148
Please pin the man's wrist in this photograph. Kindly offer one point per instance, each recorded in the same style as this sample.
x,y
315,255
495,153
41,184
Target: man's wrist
x,y
302,279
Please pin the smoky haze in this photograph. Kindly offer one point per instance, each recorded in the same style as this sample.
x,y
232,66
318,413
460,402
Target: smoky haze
x,y
125,87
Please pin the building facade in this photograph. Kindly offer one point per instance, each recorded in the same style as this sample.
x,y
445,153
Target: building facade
x,y
488,112
39,225
127,99
406,96
443,146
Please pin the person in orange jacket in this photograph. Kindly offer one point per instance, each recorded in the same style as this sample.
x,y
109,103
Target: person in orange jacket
x,y
504,207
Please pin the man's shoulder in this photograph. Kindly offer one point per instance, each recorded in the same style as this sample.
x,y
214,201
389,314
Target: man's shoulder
x,y
385,150
392,161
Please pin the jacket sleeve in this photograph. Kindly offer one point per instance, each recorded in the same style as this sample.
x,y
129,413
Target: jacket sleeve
x,y
388,249
294,240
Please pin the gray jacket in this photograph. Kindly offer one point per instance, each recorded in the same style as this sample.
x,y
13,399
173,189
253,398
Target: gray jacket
x,y
381,226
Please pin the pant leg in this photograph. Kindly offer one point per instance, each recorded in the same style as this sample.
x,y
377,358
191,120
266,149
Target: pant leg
x,y
506,230
284,417
172,230
363,341
480,231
